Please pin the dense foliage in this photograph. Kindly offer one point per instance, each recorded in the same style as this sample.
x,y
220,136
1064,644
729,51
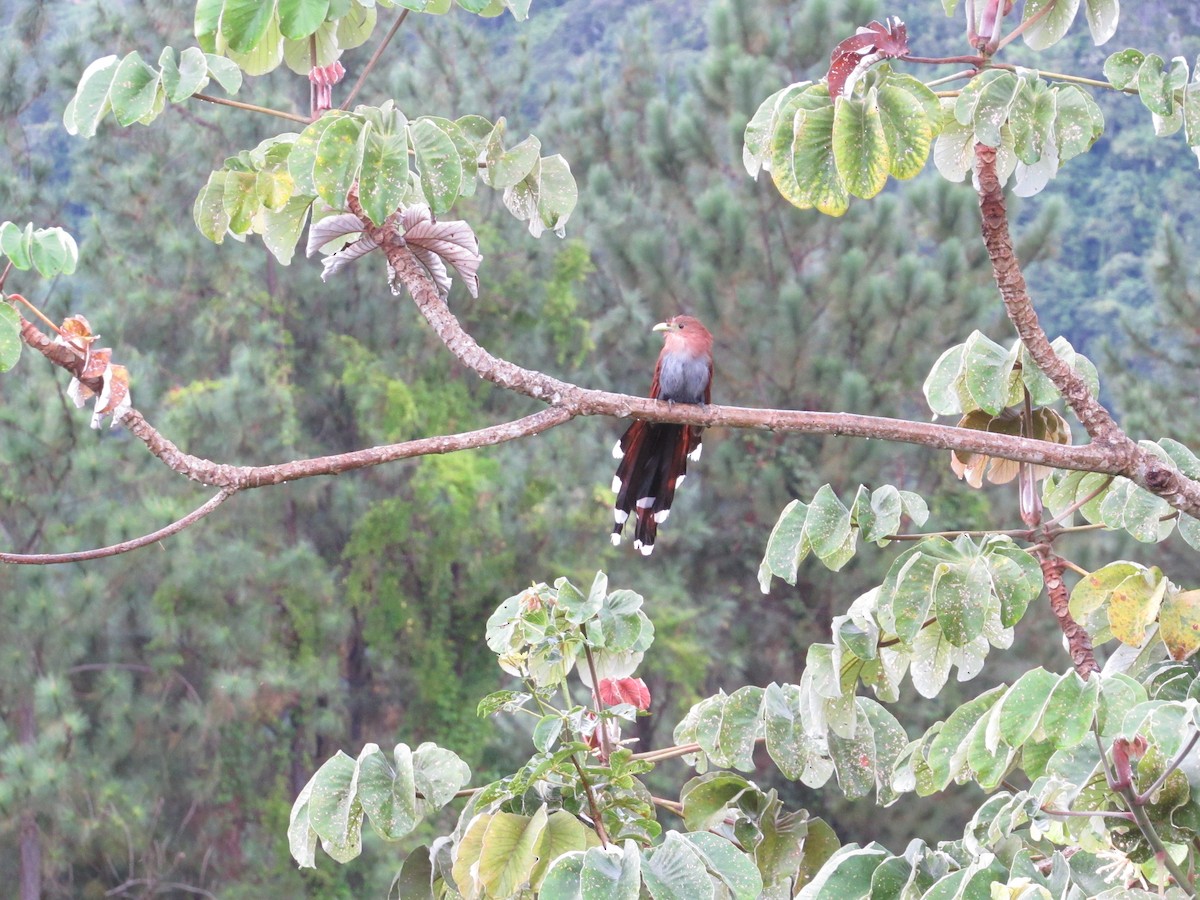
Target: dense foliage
x,y
317,646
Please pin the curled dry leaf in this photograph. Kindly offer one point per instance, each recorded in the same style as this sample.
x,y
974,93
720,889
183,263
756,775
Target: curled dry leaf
x,y
436,243
113,399
1048,425
853,56
433,243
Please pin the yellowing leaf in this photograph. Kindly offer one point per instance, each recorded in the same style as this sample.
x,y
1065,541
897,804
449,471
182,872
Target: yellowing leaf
x,y
1179,623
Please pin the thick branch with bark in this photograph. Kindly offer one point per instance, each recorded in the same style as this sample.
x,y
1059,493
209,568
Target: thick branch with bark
x,y
1111,451
1140,467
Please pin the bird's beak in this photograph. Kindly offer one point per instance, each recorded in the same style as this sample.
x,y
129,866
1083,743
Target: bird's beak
x,y
661,326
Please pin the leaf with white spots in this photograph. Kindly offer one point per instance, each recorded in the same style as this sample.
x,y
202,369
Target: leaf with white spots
x,y
438,163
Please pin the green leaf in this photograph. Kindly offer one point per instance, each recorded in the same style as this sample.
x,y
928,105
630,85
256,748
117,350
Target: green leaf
x,y
907,126
225,71
791,105
786,547
706,798
508,852
815,165
734,868
1154,86
244,23
557,193
860,145
940,386
181,80
756,140
53,251
302,161
1018,715
280,229
506,168
989,375
960,597
10,337
334,811
546,732
1050,28
17,244
827,528
946,754
847,873
954,151
1016,579
135,87
388,796
91,100
339,156
676,871
562,835
384,176
1102,16
1068,713
992,110
209,209
300,18
1121,68
610,872
438,163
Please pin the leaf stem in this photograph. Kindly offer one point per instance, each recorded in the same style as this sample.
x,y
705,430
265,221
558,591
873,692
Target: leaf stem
x,y
1081,502
37,312
1020,29
605,745
374,59
591,796
976,61
1144,796
250,107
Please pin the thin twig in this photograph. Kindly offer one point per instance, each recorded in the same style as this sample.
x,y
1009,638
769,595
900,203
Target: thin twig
x,y
250,107
1080,503
50,559
595,807
605,745
374,59
1020,29
1144,796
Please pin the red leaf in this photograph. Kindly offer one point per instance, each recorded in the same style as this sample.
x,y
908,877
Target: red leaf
x,y
624,690
853,56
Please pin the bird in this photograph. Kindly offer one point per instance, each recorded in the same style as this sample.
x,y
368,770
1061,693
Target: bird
x,y
654,455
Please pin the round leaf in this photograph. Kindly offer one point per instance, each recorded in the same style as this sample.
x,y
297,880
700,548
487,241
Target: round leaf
x,y
10,337
860,145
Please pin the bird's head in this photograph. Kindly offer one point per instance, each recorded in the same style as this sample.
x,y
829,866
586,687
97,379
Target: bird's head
x,y
685,331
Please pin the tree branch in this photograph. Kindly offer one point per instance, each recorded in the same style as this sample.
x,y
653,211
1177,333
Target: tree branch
x,y
1144,469
1079,642
50,559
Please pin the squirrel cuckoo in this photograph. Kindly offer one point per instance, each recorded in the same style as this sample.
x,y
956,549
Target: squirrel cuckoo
x,y
654,455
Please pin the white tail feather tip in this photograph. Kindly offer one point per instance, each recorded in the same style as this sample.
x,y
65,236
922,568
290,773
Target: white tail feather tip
x,y
616,538
646,549
679,480
694,456
618,453
619,516
645,502
616,485
661,516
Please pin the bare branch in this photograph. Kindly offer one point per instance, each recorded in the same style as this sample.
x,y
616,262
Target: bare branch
x,y
50,559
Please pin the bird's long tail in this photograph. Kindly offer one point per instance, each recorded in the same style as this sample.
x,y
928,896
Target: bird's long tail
x,y
654,458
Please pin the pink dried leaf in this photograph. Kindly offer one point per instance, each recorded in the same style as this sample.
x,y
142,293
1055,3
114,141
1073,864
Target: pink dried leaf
x,y
450,242
852,58
330,229
335,262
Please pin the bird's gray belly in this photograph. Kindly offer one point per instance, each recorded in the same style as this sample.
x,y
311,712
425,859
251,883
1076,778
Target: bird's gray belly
x,y
683,379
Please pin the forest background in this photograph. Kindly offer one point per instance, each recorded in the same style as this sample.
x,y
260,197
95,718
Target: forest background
x,y
160,711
